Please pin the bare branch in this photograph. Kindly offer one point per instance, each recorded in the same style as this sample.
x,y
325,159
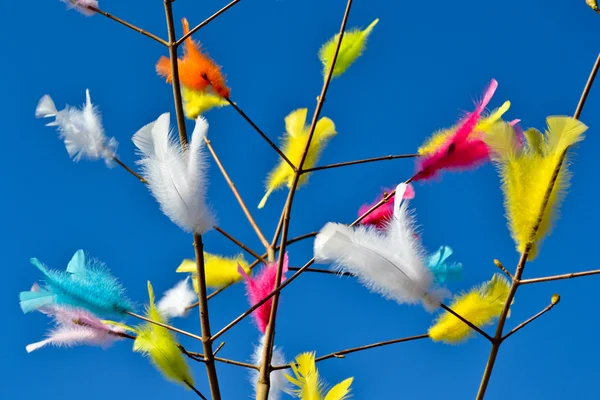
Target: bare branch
x,y
206,21
499,265
322,271
169,327
242,245
126,168
356,162
195,390
559,277
555,300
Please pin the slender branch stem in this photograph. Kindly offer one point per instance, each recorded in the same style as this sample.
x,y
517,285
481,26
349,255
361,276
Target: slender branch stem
x,y
200,356
322,271
498,264
126,168
195,390
559,277
206,21
169,327
367,160
127,24
471,325
525,323
240,244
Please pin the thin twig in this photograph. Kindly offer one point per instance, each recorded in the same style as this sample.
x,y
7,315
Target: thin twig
x,y
218,348
132,172
525,323
224,360
471,325
195,390
559,277
169,327
206,21
498,264
240,244
367,160
322,271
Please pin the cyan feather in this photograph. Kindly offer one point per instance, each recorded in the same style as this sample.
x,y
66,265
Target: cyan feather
x,y
443,271
85,284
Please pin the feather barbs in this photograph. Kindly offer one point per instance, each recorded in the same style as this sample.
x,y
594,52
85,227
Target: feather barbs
x,y
308,383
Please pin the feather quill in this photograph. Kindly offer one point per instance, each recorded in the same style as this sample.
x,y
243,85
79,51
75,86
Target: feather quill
x,y
382,214
160,346
352,46
526,173
259,286
279,383
219,271
391,263
85,284
481,305
294,143
196,102
308,383
83,6
177,178
80,129
176,300
443,271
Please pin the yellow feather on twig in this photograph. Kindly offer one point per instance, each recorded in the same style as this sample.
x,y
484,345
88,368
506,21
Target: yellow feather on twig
x,y
309,386
293,146
526,173
196,102
219,270
480,306
593,5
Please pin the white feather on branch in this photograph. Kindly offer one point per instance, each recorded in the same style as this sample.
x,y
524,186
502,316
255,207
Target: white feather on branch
x,y
176,300
80,129
279,383
177,178
391,263
82,6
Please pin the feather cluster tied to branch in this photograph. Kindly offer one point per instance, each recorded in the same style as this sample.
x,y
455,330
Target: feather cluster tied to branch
x,y
294,143
309,385
80,129
159,344
259,286
353,45
219,271
526,173
83,6
389,262
381,215
279,383
86,284
177,300
442,270
177,178
480,306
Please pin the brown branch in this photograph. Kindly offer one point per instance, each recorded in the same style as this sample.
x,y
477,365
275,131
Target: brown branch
x,y
206,21
498,264
322,271
169,327
126,168
240,244
367,160
555,300
195,390
559,277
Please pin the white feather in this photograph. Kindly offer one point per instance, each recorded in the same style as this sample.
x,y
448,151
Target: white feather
x,y
176,178
279,383
82,6
391,263
176,300
81,130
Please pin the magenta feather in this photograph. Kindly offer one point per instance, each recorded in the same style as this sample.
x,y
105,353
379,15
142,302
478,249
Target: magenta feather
x,y
382,214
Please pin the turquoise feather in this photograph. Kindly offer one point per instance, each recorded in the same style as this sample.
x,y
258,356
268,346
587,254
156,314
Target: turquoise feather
x,y
85,284
443,271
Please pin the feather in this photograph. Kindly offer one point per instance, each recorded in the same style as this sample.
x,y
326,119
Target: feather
x,y
196,102
593,4
391,263
259,286
83,6
294,143
279,383
461,147
176,178
443,271
480,306
309,386
219,271
176,300
382,214
85,284
352,46
197,71
526,174
160,346
80,129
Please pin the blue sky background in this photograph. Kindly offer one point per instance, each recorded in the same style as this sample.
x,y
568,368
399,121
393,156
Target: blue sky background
x,y
426,61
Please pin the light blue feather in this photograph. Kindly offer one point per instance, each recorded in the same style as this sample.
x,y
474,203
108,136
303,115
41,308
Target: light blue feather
x,y
85,284
443,271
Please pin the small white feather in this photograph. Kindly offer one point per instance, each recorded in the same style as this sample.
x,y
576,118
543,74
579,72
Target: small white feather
x,y
82,6
176,300
279,383
45,108
177,179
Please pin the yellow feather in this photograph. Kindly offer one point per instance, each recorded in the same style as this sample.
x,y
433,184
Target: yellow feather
x,y
219,270
593,4
480,306
526,176
309,387
159,344
196,102
293,145
340,391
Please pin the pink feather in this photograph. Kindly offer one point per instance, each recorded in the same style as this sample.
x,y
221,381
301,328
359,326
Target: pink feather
x,y
259,286
465,149
383,213
82,6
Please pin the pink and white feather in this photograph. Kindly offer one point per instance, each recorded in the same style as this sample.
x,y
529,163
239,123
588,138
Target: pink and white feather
x,y
83,6
382,214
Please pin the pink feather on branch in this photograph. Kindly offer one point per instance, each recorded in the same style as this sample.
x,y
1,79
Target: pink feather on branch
x,y
382,214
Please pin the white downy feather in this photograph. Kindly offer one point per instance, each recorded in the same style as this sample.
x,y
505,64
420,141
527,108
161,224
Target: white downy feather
x,y
80,129
279,383
82,6
176,178
391,263
176,300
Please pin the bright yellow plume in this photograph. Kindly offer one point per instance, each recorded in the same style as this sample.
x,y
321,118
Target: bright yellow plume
x,y
526,174
293,146
196,102
479,306
159,344
219,270
353,45
309,387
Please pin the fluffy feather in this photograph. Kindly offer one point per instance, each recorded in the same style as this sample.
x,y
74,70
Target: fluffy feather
x,y
443,271
391,263
80,129
85,284
177,299
176,178
159,344
461,147
526,173
259,286
82,6
197,70
593,4
352,46
309,386
480,306
279,383
293,146
382,214
196,102
219,271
